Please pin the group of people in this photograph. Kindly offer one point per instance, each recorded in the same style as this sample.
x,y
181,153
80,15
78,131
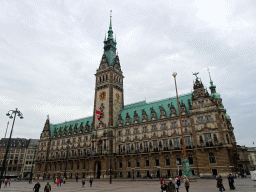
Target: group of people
x,y
47,187
59,181
173,186
6,181
220,183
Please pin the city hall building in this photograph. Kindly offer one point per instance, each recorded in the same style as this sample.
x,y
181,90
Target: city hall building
x,y
142,138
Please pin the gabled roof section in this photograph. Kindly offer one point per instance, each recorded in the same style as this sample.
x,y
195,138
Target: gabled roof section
x,y
165,103
67,124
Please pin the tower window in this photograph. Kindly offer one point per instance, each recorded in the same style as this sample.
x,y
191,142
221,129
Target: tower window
x,y
100,79
106,77
103,78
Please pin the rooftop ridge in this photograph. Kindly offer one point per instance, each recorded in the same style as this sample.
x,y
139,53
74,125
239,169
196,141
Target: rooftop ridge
x,y
169,98
135,103
72,120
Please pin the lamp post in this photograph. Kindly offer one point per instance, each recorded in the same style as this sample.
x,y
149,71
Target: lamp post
x,y
132,173
66,164
186,170
31,173
10,115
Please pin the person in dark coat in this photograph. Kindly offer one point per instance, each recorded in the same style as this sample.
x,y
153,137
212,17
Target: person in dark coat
x,y
37,187
219,183
171,186
164,187
231,180
91,180
47,187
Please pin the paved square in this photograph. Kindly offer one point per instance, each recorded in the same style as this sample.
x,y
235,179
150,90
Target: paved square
x,y
202,185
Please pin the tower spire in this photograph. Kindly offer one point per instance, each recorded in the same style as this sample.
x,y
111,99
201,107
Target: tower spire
x,y
214,94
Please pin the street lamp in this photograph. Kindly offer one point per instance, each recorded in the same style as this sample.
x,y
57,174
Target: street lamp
x,y
186,170
66,164
10,115
132,173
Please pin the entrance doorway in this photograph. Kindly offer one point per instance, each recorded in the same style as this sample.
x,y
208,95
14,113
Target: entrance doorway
x,y
98,170
214,172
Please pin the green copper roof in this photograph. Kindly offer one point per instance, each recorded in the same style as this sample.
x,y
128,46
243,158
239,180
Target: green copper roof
x,y
61,126
215,95
146,106
110,46
227,116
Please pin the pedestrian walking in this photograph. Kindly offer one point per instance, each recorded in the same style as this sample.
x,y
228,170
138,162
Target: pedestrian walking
x,y
91,180
219,183
231,181
186,183
178,180
37,187
9,181
5,182
83,182
162,182
176,184
47,187
164,187
64,180
171,186
58,182
61,181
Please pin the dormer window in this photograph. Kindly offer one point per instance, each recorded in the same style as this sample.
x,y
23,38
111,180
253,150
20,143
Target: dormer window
x,y
201,104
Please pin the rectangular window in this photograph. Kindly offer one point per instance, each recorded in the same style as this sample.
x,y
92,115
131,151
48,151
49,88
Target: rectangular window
x,y
155,145
153,127
163,126
165,143
208,118
119,133
128,132
176,142
128,147
184,122
137,146
200,119
145,144
136,130
174,124
187,141
208,138
145,129
147,162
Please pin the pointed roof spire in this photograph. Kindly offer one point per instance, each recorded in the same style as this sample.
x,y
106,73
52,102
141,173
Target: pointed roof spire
x,y
105,37
110,25
213,88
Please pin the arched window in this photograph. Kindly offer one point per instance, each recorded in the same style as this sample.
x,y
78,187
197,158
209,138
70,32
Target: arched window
x,y
167,161
120,163
190,160
128,163
137,163
157,161
178,159
212,158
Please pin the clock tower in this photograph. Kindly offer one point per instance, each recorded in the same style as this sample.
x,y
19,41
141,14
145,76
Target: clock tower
x,y
108,88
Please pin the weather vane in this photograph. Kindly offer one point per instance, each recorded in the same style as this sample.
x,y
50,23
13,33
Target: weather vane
x,y
196,73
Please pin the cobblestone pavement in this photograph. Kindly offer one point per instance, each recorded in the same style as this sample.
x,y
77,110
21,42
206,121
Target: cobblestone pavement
x,y
202,185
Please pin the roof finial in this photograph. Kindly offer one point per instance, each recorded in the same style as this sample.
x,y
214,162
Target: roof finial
x,y
47,117
110,26
196,73
105,37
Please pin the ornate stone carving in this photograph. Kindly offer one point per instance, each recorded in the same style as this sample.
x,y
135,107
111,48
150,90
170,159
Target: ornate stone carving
x,y
172,110
120,120
128,119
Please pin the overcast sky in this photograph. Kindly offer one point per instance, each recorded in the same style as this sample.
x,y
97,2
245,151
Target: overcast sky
x,y
50,50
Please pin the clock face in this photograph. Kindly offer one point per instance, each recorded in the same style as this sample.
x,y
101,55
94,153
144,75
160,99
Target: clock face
x,y
102,95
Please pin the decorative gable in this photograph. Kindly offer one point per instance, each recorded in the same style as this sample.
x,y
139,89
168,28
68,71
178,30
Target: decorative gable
x,y
162,112
135,117
128,119
120,120
153,113
144,115
172,110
